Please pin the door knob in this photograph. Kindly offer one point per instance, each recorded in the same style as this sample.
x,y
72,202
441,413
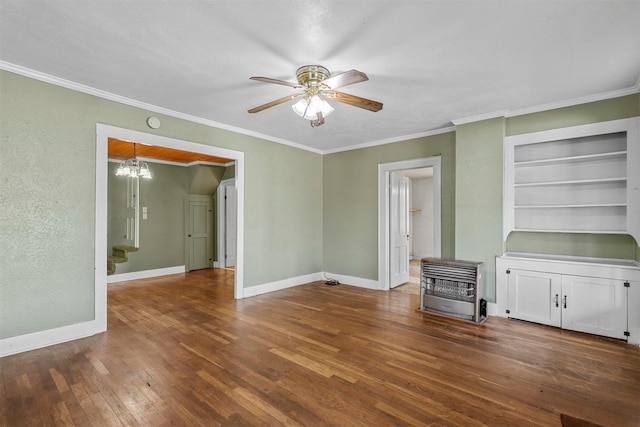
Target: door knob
x,y
189,235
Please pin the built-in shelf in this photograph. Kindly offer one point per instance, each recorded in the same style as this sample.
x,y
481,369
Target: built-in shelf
x,y
572,159
575,180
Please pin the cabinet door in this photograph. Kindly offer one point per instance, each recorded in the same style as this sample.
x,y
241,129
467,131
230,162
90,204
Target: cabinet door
x,y
593,305
534,296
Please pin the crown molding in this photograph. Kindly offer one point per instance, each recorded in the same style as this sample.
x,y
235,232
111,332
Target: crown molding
x,y
47,78
576,101
17,69
550,106
391,140
480,117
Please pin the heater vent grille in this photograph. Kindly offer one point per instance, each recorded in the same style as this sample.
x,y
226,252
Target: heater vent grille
x,y
453,287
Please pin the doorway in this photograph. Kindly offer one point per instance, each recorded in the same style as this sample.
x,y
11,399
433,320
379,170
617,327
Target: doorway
x,y
103,133
388,234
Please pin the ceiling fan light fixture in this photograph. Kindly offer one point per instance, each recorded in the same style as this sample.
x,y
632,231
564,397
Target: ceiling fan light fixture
x,y
310,107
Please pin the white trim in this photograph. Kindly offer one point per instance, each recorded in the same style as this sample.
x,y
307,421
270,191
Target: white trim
x,y
103,133
391,140
40,339
356,281
172,163
492,310
629,125
7,66
100,236
146,274
384,171
37,75
480,117
282,284
575,101
221,209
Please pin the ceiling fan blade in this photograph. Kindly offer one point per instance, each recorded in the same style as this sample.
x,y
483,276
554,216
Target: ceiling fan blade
x,y
274,103
356,101
347,78
276,81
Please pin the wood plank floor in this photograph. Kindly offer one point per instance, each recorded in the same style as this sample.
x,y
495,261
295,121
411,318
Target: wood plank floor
x,y
180,351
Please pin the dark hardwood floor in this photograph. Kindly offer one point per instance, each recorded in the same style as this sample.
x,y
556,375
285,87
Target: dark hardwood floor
x,y
180,351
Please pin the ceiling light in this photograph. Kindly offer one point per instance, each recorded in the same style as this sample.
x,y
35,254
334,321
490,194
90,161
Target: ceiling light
x,y
134,168
309,107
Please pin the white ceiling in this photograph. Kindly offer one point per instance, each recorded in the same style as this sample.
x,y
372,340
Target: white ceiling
x,y
428,62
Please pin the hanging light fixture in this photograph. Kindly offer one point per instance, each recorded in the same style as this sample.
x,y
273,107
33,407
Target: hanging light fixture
x,y
309,107
134,168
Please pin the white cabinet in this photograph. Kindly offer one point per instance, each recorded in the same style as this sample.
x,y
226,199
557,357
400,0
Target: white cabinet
x,y
596,296
594,305
585,304
534,296
581,179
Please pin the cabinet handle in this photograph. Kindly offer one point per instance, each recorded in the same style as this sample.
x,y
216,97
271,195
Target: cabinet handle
x,y
564,302
556,300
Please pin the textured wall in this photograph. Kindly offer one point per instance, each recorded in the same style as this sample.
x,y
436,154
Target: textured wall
x,y
47,193
162,233
47,186
422,222
351,201
479,196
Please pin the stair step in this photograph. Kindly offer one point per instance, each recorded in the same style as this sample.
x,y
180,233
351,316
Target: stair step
x,y
124,248
116,259
122,251
119,255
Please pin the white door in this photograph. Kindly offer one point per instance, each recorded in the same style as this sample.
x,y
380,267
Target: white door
x,y
199,227
534,296
132,213
593,305
231,221
399,230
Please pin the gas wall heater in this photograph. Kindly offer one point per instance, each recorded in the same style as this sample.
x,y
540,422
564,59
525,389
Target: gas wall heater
x,y
453,288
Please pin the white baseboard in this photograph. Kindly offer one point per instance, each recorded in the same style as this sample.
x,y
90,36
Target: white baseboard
x,y
355,281
35,340
492,310
281,284
115,278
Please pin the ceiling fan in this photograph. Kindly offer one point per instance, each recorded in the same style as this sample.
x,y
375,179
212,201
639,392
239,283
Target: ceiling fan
x,y
316,83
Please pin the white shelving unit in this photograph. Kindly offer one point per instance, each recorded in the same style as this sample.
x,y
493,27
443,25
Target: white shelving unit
x,y
583,179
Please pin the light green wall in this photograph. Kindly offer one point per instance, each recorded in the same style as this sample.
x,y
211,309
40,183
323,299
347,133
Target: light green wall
x,y
304,213
601,111
351,201
204,179
479,195
47,190
162,233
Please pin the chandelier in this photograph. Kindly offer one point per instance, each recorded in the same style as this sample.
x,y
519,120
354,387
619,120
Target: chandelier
x,y
134,168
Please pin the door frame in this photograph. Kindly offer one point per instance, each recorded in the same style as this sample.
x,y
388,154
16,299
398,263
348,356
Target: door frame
x,y
384,174
222,220
103,133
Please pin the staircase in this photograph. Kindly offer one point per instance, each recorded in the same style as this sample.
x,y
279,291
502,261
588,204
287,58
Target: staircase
x,y
119,254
